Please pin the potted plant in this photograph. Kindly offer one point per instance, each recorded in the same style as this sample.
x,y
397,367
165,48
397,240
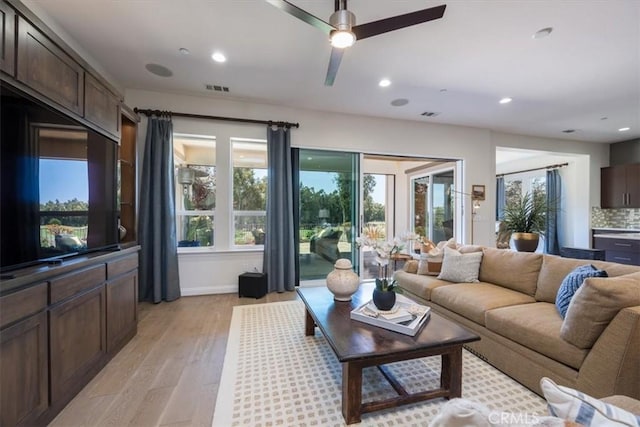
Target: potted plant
x,y
525,218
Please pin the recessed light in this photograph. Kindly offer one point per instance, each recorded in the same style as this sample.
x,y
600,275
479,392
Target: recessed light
x,y
184,51
506,100
218,57
384,83
399,102
624,129
159,70
540,34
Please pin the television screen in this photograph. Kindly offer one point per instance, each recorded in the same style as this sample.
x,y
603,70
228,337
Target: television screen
x,y
58,185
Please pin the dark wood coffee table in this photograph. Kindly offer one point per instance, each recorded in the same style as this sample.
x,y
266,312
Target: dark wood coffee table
x,y
358,345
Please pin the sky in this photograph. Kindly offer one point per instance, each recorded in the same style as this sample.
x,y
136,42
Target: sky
x,y
63,180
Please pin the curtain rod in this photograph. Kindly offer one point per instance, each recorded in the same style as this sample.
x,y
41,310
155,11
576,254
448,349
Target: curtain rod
x,y
559,165
148,112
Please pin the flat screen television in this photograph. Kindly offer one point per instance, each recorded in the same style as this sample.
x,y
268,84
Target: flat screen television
x,y
58,185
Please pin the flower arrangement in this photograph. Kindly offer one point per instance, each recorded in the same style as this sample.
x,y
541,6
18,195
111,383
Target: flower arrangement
x,y
384,253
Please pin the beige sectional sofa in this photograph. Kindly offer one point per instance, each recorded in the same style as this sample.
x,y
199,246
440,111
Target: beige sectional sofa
x,y
513,309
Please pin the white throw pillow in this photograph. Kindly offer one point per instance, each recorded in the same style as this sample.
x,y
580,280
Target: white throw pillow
x,y
573,405
460,268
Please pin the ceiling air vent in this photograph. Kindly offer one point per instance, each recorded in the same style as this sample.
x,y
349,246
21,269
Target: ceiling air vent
x,y
217,88
430,114
568,131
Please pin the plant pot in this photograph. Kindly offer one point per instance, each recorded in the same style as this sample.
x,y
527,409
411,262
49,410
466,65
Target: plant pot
x,y
384,300
526,242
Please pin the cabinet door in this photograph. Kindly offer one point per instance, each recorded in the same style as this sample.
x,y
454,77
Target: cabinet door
x,y
45,67
101,106
613,187
8,38
77,342
122,310
633,186
23,371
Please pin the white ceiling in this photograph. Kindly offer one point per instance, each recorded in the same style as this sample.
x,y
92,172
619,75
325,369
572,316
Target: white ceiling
x,y
480,51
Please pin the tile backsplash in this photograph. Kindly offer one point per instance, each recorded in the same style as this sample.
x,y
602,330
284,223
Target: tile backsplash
x,y
615,218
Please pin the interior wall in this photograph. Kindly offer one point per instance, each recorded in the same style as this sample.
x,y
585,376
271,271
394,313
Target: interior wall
x,y
324,130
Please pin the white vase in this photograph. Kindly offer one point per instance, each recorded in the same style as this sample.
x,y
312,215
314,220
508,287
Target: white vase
x,y
343,281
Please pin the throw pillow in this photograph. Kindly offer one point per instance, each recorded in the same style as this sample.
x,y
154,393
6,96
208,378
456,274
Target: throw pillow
x,y
572,282
460,268
423,265
595,304
411,266
573,405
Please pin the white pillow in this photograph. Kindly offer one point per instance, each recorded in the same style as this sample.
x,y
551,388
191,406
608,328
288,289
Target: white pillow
x,y
572,405
460,268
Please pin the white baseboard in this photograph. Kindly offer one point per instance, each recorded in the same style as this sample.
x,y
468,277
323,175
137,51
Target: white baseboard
x,y
209,290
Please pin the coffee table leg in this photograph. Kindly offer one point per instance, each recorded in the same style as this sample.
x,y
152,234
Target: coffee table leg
x,y
351,392
309,324
451,375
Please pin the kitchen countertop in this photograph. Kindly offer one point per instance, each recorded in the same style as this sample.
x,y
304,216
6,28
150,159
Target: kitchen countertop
x,y
628,236
623,230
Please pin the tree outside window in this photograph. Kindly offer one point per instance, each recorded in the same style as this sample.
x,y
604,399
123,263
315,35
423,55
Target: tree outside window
x,y
249,191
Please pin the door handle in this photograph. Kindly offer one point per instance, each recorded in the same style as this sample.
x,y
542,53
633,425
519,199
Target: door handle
x,y
622,244
624,199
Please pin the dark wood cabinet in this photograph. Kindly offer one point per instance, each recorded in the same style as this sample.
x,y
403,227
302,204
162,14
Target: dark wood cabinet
x,y
621,250
122,301
101,106
620,186
24,375
78,342
127,160
46,68
7,39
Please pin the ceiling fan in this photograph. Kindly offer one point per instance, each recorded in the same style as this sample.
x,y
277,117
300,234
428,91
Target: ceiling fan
x,y
343,31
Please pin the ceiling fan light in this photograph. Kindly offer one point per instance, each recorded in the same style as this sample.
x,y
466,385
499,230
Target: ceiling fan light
x,y
342,39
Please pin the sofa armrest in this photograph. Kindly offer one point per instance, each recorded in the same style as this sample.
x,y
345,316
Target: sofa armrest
x,y
612,367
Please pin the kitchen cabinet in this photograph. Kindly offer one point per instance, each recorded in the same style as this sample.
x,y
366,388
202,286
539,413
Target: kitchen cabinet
x,y
620,249
620,186
122,301
101,106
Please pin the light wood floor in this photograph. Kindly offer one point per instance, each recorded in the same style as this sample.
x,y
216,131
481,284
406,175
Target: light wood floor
x,y
168,375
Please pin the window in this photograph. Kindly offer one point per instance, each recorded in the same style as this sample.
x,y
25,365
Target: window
x,y
195,163
249,191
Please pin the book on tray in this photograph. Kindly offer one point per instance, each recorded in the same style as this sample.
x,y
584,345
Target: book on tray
x,y
406,316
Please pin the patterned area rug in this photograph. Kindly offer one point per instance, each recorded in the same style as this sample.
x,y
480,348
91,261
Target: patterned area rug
x,y
274,375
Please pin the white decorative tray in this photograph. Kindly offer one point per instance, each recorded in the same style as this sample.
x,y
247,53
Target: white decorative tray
x,y
369,314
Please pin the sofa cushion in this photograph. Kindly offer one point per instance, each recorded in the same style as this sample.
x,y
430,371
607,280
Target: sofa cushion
x,y
595,304
555,269
472,300
419,285
535,326
572,282
509,269
457,267
573,405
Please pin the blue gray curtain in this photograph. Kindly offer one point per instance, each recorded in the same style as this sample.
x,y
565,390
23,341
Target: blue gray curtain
x,y
279,245
554,192
500,198
159,279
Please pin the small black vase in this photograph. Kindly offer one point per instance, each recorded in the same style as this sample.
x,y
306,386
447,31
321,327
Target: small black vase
x,y
384,300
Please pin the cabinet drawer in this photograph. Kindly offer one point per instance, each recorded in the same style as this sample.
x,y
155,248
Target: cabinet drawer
x,y
623,257
65,286
21,304
46,68
623,245
122,265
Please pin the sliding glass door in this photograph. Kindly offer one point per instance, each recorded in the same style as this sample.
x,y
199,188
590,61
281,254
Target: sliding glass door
x,y
328,210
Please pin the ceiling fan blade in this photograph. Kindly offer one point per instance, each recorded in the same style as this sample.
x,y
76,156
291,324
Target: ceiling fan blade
x,y
397,22
334,64
303,15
